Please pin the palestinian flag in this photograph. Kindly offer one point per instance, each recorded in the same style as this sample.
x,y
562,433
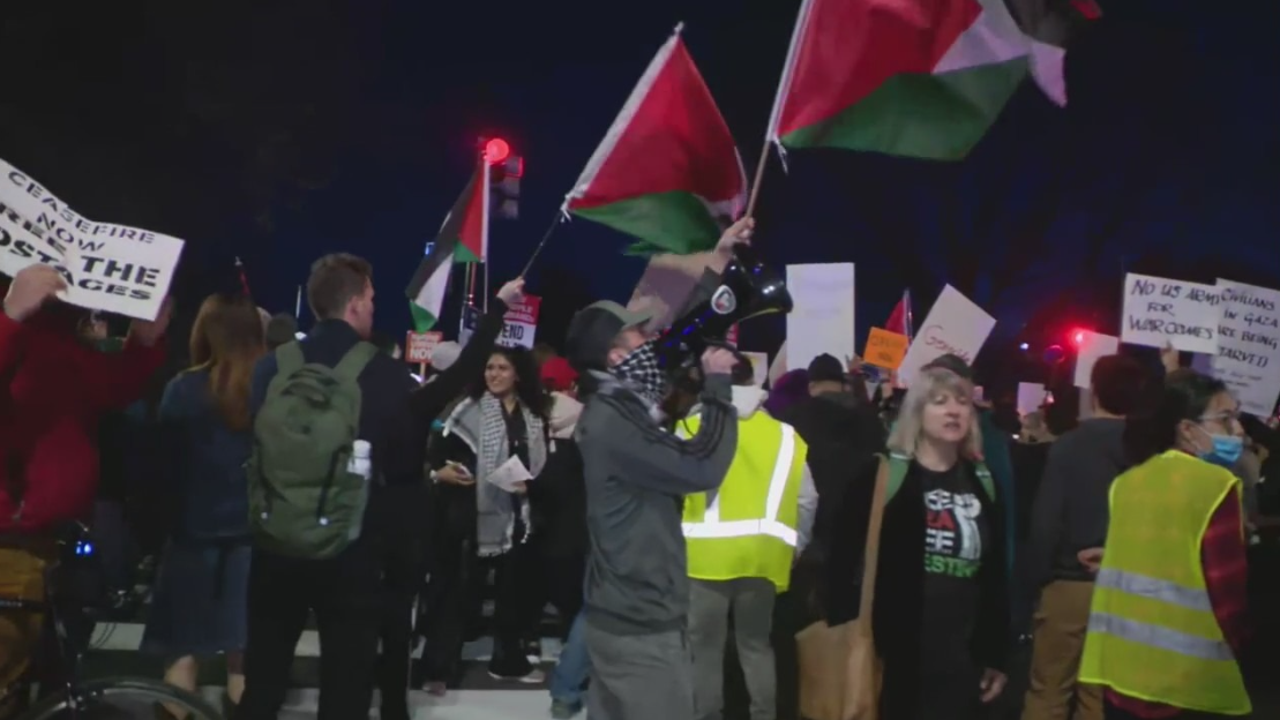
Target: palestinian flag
x,y
668,171
464,238
900,320
917,78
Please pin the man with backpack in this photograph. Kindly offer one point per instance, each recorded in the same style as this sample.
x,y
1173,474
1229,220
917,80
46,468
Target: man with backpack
x,y
333,429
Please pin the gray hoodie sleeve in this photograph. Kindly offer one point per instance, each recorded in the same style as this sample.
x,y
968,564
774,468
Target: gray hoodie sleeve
x,y
659,460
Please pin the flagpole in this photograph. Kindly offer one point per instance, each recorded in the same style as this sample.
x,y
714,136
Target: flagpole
x,y
908,322
784,84
560,217
755,183
486,187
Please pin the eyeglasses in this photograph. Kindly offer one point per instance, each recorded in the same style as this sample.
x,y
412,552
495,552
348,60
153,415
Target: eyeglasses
x,y
1222,417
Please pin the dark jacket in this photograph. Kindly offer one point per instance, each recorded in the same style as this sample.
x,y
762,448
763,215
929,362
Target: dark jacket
x,y
1029,461
453,519
637,475
397,436
996,455
842,434
558,501
1070,512
899,595
205,462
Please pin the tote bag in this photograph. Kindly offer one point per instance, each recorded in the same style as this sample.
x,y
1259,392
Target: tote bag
x,y
840,671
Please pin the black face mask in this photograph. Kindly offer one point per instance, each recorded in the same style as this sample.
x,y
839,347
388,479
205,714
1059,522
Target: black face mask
x,y
641,371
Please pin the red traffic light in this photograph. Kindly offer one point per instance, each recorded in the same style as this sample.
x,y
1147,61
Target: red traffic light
x,y
1079,336
496,151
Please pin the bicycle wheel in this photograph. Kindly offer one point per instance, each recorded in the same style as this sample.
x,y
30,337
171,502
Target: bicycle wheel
x,y
119,698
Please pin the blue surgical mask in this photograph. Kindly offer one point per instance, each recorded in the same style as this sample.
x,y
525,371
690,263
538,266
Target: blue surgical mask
x,y
1226,451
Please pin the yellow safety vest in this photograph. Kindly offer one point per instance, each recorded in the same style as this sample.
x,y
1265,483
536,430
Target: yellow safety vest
x,y
749,530
1152,632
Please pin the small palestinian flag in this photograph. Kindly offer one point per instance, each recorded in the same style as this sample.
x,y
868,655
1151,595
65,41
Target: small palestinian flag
x,y
668,171
464,238
915,78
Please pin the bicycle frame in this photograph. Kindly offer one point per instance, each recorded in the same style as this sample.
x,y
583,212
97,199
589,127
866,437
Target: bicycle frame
x,y
66,653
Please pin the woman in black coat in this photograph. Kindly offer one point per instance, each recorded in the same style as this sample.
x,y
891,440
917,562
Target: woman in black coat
x,y
941,617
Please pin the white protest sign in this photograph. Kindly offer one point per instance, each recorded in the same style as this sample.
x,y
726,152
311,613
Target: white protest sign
x,y
520,324
1092,346
955,326
1159,312
107,267
419,346
1030,397
822,319
1248,343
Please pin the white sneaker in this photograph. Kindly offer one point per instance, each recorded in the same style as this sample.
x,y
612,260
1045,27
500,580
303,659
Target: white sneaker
x,y
535,677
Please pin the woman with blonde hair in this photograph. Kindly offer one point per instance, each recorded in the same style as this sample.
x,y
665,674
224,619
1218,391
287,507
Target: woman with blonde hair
x,y
940,612
201,589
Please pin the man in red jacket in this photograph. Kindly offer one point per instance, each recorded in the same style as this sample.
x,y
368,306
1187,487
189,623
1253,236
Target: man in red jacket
x,y
54,388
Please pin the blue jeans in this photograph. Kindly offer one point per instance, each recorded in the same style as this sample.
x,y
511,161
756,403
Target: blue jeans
x,y
573,667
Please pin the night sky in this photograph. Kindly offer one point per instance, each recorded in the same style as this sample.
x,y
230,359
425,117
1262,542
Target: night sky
x,y
301,127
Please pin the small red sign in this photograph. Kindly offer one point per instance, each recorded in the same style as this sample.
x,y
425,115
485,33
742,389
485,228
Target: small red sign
x,y
419,346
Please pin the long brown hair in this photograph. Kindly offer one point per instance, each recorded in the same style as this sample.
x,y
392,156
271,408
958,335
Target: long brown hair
x,y
227,340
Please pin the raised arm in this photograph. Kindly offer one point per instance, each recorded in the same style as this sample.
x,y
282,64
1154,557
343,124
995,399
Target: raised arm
x,y
120,378
27,292
662,461
428,401
672,282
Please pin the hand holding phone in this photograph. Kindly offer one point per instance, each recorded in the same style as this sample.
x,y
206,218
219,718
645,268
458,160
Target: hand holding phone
x,y
455,474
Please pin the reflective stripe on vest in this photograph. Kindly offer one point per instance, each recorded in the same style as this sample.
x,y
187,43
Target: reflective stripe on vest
x,y
1160,637
712,527
1151,587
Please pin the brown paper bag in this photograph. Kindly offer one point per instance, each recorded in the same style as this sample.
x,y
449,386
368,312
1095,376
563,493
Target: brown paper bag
x,y
840,671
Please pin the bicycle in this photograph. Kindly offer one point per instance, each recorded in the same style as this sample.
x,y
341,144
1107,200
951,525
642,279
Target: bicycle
x,y
110,697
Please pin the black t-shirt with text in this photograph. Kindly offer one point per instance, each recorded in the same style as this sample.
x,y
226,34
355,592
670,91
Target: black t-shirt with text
x,y
957,529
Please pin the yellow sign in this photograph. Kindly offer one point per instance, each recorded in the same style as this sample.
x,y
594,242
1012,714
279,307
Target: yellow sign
x,y
885,349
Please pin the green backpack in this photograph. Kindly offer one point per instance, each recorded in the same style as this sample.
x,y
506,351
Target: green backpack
x,y
303,500
899,464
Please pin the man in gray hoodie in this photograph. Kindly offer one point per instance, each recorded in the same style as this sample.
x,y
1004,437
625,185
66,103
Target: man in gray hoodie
x,y
637,474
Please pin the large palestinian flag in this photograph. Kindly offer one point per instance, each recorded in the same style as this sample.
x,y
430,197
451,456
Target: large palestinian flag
x,y
668,171
464,238
918,78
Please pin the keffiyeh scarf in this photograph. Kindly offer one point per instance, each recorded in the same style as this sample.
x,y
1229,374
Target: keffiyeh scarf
x,y
482,426
641,372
